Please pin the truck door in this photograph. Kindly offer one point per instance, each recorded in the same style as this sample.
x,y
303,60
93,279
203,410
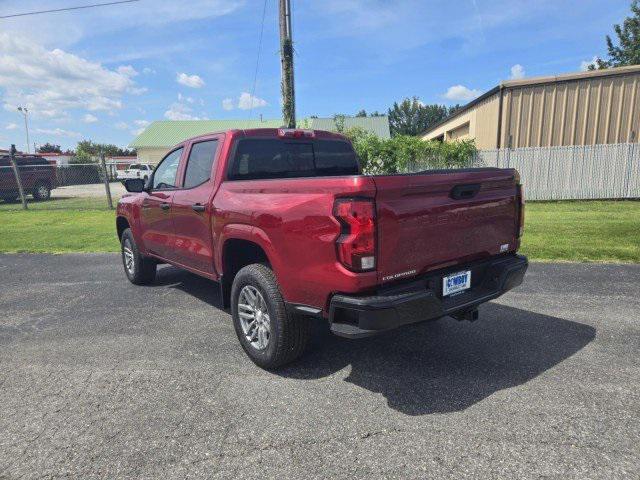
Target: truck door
x,y
191,208
155,215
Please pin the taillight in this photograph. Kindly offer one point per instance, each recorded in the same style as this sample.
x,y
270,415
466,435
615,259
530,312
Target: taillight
x,y
356,244
520,194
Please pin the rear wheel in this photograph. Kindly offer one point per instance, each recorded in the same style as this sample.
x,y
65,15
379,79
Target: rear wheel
x,y
268,334
140,269
41,191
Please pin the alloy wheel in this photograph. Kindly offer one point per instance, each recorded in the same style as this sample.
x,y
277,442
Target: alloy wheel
x,y
254,317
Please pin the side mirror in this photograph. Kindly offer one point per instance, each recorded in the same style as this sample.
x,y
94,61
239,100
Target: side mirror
x,y
134,185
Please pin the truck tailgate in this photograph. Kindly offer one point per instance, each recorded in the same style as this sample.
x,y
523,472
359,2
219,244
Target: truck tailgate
x,y
444,218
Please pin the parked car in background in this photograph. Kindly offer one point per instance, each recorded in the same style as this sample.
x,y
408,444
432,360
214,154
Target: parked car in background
x,y
135,170
288,226
38,177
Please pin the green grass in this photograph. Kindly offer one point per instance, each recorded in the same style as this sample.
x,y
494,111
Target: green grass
x,y
58,226
582,231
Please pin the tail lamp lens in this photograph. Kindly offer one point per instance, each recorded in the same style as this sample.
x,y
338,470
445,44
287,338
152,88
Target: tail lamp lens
x,y
356,243
521,210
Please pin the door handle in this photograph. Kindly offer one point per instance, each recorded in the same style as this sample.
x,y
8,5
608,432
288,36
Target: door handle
x,y
198,207
165,206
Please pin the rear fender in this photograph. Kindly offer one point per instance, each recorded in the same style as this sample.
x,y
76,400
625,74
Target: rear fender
x,y
239,231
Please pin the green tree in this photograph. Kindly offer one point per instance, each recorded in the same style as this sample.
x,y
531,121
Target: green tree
x,y
407,154
89,148
627,52
412,117
49,148
361,113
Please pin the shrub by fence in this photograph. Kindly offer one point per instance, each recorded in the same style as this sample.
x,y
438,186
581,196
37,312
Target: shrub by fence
x,y
405,154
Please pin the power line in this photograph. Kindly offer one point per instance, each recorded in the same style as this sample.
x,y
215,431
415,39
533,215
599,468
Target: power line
x,y
38,12
255,74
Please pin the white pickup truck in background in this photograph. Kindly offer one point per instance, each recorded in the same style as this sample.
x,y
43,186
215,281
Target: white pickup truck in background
x,y
135,170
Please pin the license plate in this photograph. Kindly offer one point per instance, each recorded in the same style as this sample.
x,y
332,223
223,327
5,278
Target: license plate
x,y
456,283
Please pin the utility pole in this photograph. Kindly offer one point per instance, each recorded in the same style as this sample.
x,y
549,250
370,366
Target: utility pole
x,y
16,173
286,62
25,112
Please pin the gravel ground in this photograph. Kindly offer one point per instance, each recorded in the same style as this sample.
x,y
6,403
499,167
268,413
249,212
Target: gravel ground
x,y
99,378
89,190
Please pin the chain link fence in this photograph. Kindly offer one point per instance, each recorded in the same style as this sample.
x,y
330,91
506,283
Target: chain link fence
x,y
39,184
572,172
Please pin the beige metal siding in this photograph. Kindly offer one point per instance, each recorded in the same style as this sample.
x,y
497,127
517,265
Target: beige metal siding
x,y
587,108
480,123
580,112
486,122
151,155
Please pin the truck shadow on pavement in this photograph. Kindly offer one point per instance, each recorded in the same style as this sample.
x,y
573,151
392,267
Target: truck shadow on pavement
x,y
447,366
432,367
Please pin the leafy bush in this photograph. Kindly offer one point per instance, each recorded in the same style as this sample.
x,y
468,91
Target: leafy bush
x,y
406,154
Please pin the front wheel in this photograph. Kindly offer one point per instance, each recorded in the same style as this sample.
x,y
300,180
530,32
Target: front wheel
x,y
268,334
140,270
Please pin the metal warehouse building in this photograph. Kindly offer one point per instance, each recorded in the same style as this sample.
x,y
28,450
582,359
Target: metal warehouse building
x,y
585,108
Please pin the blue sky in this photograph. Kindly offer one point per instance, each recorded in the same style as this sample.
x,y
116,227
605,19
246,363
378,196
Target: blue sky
x,y
104,73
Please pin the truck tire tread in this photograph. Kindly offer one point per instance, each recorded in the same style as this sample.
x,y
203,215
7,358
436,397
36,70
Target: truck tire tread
x,y
289,334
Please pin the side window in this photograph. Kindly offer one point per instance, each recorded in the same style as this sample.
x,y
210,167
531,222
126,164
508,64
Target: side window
x,y
165,175
200,163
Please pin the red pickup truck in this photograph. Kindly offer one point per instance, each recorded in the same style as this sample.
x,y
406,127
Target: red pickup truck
x,y
37,175
288,226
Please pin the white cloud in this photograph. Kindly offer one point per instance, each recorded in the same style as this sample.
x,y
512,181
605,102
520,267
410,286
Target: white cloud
x,y
192,81
461,93
88,118
186,99
127,71
142,124
584,65
227,104
100,21
246,101
11,126
180,111
51,82
122,125
148,71
57,132
517,72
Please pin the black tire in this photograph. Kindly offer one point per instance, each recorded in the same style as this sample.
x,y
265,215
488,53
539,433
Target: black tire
x,y
41,192
142,269
289,334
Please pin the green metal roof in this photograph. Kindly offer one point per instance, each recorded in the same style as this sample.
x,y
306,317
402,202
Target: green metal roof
x,y
166,133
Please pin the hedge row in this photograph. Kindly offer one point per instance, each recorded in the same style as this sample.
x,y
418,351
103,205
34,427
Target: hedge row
x,y
406,154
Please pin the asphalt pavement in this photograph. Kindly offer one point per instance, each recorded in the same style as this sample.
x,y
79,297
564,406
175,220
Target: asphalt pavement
x,y
101,379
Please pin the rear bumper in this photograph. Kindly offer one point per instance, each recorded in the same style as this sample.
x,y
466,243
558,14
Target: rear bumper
x,y
421,299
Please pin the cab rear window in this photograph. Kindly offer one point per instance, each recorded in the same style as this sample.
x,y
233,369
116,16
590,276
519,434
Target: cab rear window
x,y
263,158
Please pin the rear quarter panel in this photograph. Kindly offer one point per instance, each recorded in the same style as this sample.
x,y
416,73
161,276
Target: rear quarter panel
x,y
292,220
